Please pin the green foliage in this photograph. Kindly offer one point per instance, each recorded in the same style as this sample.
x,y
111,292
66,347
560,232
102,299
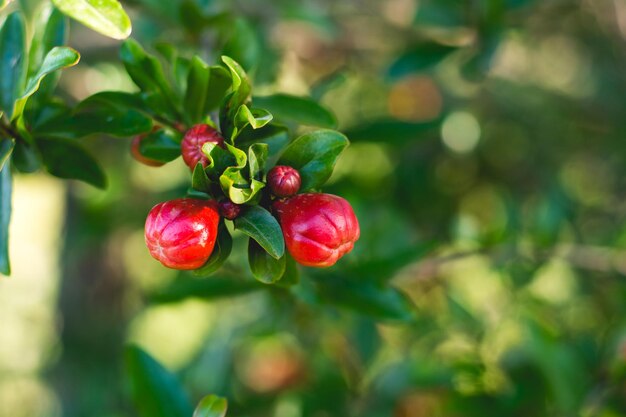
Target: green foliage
x,y
211,406
261,226
6,189
104,16
154,390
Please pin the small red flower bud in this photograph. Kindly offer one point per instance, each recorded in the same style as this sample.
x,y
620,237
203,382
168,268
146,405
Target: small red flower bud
x,y
318,228
229,210
191,147
136,153
284,181
181,233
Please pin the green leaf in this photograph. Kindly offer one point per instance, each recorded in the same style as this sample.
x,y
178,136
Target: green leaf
x,y
221,252
197,89
379,301
26,157
264,267
199,179
256,118
240,81
162,145
261,226
301,110
106,17
237,188
64,158
219,84
276,137
6,148
314,155
419,58
154,390
146,71
55,33
211,406
58,58
391,131
206,289
12,62
292,274
89,120
219,159
6,189
257,158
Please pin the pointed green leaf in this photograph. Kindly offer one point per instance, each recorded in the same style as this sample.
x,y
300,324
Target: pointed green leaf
x,y
155,391
106,17
419,58
6,189
26,157
65,158
199,179
12,62
219,84
261,226
264,267
301,110
58,58
291,276
314,155
197,89
256,118
257,158
211,406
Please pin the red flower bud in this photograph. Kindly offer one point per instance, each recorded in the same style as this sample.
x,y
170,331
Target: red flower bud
x,y
181,233
318,228
191,147
284,181
136,153
229,210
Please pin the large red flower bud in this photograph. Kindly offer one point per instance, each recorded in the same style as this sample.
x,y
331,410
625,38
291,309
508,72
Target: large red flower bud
x,y
191,147
181,233
318,228
284,181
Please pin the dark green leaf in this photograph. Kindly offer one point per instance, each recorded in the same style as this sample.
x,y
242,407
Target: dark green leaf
x,y
211,406
206,289
6,148
221,252
391,131
378,301
199,180
58,58
260,225
146,71
64,158
12,62
219,84
292,274
155,391
314,155
5,217
419,58
297,109
26,157
264,267
162,145
274,136
197,89
89,120
104,16
219,159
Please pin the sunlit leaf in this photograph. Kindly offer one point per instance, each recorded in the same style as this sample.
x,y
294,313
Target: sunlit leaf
x,y
104,16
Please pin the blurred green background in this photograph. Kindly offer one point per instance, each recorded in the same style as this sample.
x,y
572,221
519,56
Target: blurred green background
x,y
487,169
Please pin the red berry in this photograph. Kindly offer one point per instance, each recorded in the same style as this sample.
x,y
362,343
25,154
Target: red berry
x,y
191,147
181,233
229,210
136,152
284,181
318,228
